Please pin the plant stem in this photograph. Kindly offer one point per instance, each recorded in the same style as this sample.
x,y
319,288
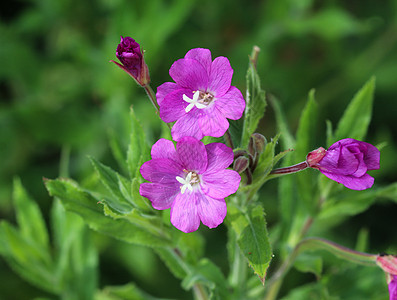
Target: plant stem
x,y
152,96
292,169
314,244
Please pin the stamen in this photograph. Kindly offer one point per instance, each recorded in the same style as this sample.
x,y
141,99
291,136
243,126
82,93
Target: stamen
x,y
191,178
193,102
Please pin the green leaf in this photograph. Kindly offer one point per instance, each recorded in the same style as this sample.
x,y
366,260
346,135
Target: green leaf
x,y
350,203
209,275
132,229
357,116
312,291
252,236
76,255
30,221
309,263
266,162
304,140
173,260
125,292
138,151
255,104
120,202
282,125
27,259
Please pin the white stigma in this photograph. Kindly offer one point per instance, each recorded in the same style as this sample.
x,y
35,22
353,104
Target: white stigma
x,y
193,102
186,183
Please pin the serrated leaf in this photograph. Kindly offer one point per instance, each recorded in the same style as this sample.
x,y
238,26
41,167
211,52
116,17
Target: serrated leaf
x,y
113,181
132,230
357,116
138,151
252,237
141,202
255,105
31,223
209,275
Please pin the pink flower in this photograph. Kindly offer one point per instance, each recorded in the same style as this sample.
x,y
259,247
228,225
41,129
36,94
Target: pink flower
x,y
201,98
347,162
393,288
191,180
131,57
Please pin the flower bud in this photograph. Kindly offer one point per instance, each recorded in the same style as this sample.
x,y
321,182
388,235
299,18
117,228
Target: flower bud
x,y
131,57
314,157
256,144
241,164
388,263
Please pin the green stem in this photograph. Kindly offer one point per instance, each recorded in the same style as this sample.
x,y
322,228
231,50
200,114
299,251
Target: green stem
x,y
291,169
311,244
198,289
152,96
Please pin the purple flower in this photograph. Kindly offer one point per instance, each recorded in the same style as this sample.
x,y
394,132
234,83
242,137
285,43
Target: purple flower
x,y
393,288
347,162
130,55
191,180
201,98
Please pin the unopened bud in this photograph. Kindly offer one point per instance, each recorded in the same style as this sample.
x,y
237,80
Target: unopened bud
x,y
388,263
257,143
240,164
131,57
314,157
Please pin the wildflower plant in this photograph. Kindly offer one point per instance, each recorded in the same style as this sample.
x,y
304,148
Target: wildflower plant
x,y
210,166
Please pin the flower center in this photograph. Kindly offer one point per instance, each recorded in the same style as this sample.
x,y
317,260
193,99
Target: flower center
x,y
189,181
200,100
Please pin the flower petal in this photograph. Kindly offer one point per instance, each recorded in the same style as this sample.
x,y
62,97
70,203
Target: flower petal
x,y
187,126
231,104
161,170
372,157
219,156
160,195
211,211
164,149
339,161
173,106
355,183
212,122
220,184
192,154
393,287
184,214
220,77
189,73
203,56
165,89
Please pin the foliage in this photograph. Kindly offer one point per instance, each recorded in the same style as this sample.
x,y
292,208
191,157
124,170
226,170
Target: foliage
x,y
60,100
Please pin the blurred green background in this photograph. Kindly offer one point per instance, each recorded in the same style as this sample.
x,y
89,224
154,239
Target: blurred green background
x,y
59,93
